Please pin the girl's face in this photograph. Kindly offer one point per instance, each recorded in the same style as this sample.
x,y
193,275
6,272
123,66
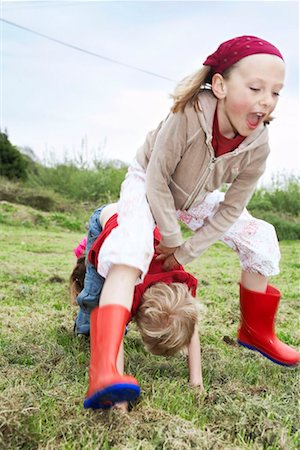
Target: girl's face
x,y
249,94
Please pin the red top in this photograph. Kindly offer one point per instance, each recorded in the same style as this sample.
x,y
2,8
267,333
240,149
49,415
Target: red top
x,y
222,144
155,274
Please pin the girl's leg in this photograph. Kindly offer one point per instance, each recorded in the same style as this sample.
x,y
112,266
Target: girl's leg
x,y
254,281
256,244
119,286
125,254
106,385
256,331
254,240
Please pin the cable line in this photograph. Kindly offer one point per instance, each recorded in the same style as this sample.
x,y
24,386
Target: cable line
x,y
36,5
88,52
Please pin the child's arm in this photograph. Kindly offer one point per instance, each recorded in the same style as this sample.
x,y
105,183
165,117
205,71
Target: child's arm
x,y
123,406
194,361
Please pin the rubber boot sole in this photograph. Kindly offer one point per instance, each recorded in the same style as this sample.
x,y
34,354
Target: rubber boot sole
x,y
265,355
107,397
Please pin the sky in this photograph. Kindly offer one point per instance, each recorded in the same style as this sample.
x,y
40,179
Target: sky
x,y
70,104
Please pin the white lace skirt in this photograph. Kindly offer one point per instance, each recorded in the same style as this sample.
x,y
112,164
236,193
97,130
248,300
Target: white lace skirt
x,y
254,240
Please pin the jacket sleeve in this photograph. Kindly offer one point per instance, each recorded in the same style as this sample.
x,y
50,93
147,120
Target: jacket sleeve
x,y
169,145
236,198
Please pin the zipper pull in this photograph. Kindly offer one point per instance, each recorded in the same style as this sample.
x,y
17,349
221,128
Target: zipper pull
x,y
212,163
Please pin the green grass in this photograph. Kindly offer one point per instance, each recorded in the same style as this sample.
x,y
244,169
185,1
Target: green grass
x,y
249,403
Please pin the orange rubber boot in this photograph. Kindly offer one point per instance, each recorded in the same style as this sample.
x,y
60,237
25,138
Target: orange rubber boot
x,y
106,385
256,330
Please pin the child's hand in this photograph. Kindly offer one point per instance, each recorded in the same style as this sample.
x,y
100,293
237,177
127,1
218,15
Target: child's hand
x,y
170,263
199,394
164,251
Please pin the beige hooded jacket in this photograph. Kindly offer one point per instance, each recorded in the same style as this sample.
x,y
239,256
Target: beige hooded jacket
x,y
181,166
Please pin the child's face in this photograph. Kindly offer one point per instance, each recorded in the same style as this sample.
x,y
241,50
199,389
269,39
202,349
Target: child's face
x,y
250,94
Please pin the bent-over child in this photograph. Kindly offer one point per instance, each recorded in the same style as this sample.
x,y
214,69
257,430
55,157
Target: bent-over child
x,y
164,308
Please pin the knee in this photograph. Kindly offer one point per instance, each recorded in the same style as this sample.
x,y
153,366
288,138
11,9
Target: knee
x,y
264,256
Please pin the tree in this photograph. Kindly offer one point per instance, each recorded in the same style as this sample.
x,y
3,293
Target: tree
x,y
12,163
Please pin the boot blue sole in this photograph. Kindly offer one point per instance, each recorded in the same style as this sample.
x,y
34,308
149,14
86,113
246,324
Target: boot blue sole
x,y
264,354
107,397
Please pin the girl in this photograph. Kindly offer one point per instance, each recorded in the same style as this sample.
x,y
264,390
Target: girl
x,y
215,133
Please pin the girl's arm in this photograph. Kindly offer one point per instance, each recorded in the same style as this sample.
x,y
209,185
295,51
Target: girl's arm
x,y
228,212
168,148
194,361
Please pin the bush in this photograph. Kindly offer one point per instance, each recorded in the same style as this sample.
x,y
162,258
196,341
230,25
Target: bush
x,y
12,164
100,185
282,196
287,228
39,198
67,222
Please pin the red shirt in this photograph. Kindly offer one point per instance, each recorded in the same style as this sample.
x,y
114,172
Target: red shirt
x,y
222,144
155,274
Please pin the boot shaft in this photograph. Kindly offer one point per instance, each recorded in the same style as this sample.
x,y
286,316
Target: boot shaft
x,y
106,385
257,328
108,325
259,308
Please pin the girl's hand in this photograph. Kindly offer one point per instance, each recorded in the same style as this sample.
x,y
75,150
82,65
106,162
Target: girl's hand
x,y
170,263
164,251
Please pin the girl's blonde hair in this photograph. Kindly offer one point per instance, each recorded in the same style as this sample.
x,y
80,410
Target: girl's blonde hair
x,y
166,318
188,89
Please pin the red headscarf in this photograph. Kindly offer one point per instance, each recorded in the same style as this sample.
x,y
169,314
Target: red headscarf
x,y
238,48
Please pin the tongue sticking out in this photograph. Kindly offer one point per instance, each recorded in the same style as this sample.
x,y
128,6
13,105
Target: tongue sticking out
x,y
253,120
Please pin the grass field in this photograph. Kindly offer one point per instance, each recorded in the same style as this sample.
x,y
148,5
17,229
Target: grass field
x,y
249,402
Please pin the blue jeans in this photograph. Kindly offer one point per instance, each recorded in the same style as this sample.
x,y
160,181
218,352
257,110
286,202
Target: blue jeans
x,y
88,298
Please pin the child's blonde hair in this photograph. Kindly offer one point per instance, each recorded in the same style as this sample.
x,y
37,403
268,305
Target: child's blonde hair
x,y
188,89
167,318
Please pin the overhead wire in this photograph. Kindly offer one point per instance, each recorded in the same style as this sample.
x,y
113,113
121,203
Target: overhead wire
x,y
88,52
17,6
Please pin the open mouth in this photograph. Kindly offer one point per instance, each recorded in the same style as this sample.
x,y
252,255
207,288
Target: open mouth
x,y
254,119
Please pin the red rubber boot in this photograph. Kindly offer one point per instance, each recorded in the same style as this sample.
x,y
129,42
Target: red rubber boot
x,y
256,330
106,385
